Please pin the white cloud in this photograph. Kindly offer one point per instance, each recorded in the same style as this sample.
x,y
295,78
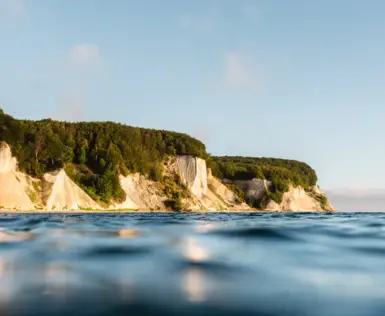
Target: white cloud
x,y
12,8
85,54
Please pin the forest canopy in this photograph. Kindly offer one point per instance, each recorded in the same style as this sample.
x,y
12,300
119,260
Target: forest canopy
x,y
94,154
281,172
247,168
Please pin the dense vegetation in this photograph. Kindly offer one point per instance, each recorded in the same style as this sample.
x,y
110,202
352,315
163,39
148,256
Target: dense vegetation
x,y
94,153
280,172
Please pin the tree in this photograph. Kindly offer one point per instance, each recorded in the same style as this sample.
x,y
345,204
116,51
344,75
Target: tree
x,y
81,155
171,150
67,154
156,173
39,145
280,172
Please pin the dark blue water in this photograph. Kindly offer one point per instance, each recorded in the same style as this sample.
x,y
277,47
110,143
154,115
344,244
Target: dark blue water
x,y
192,264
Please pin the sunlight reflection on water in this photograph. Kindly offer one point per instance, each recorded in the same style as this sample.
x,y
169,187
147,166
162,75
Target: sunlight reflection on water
x,y
173,264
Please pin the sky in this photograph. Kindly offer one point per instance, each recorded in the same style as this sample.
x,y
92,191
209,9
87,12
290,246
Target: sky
x,y
293,79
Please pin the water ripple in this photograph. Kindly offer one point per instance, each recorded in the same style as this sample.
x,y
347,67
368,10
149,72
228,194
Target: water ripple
x,y
311,264
106,252
265,233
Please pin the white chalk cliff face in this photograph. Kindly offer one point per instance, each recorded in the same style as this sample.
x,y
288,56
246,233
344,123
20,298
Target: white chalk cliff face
x,y
12,190
7,162
141,193
255,188
63,194
298,200
208,192
295,200
56,191
220,197
193,174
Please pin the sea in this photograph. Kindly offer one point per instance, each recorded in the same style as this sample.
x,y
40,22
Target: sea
x,y
316,264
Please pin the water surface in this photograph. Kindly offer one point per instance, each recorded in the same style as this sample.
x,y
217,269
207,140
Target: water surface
x,y
192,264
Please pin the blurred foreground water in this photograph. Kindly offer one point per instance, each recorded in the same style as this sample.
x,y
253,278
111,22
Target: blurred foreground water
x,y
190,264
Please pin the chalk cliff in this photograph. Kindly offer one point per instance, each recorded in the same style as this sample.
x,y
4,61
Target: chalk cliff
x,y
56,191
208,193
13,187
254,189
193,173
141,193
299,200
61,193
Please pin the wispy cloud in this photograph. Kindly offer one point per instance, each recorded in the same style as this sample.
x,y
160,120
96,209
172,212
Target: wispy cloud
x,y
240,70
196,24
85,62
12,9
85,55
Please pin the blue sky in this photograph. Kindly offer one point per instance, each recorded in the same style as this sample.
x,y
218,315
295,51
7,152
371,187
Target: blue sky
x,y
295,79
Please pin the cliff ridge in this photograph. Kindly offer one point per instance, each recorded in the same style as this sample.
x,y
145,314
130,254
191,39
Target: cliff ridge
x,y
53,165
56,191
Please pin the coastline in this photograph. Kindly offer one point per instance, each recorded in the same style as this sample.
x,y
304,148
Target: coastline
x,y
189,187
127,211
147,211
